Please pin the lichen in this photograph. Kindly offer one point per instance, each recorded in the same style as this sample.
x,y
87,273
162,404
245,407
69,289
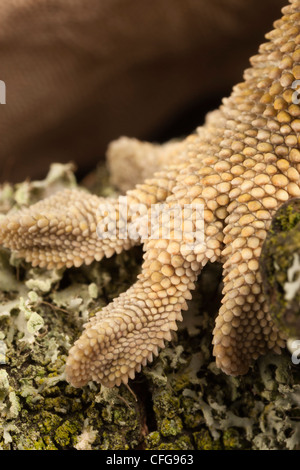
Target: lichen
x,y
180,402
280,268
204,441
87,437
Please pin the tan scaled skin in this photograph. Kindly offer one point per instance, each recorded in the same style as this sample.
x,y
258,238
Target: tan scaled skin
x,y
241,165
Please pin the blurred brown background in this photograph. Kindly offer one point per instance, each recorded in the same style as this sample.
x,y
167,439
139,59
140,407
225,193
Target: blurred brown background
x,y
80,73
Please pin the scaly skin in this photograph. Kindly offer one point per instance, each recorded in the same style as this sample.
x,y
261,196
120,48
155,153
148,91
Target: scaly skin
x,y
241,165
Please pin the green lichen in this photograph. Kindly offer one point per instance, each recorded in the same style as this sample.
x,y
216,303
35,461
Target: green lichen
x,y
280,268
204,441
152,440
182,443
288,217
171,427
232,440
66,434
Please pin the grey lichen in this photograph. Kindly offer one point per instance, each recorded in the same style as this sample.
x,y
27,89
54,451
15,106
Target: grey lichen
x,y
181,401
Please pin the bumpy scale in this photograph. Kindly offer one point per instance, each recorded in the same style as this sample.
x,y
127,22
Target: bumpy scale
x,y
241,165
